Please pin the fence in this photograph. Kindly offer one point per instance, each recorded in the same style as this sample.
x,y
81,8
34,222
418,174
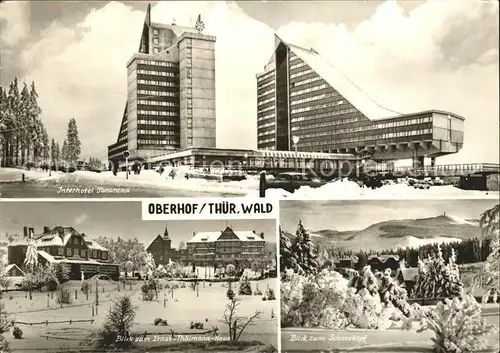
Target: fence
x,y
172,333
46,322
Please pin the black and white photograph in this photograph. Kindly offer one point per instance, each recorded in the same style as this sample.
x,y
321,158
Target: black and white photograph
x,y
390,276
300,100
94,277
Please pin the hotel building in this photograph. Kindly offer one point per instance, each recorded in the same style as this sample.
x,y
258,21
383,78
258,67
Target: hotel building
x,y
225,247
171,93
301,96
64,245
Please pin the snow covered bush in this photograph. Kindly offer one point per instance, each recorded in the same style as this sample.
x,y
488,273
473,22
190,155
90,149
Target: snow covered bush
x,y
364,309
313,301
245,286
458,326
6,323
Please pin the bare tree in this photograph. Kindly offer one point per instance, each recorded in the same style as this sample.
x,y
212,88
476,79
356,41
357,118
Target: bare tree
x,y
237,324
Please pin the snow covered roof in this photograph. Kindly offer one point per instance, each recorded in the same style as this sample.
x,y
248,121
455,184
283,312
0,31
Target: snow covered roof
x,y
58,236
383,258
10,267
345,87
92,244
47,256
52,259
207,237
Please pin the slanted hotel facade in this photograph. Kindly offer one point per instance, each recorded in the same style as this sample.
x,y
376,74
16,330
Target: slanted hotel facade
x,y
64,245
302,96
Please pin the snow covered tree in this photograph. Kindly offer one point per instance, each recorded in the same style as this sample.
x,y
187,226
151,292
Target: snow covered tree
x,y
64,151
53,152
5,325
391,292
73,142
31,259
488,277
458,326
436,279
149,265
45,146
453,285
245,286
368,281
298,254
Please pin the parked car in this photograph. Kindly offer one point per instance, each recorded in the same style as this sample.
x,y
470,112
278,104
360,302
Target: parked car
x,y
292,181
421,185
438,181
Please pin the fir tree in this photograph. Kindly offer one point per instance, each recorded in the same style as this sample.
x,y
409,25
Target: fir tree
x,y
304,251
64,152
14,112
53,152
34,123
73,142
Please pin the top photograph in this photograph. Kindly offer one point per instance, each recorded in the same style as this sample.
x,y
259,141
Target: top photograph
x,y
288,100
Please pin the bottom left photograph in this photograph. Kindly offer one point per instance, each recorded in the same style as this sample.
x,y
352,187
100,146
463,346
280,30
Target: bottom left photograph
x,y
92,276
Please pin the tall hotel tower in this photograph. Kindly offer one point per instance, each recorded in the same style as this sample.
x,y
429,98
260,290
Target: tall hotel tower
x,y
305,103
171,93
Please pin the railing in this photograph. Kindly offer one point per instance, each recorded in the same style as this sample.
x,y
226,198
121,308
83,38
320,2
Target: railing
x,y
46,322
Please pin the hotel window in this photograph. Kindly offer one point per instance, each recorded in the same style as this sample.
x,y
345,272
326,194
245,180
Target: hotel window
x,y
76,240
83,253
156,32
156,50
94,253
60,251
104,255
68,251
156,40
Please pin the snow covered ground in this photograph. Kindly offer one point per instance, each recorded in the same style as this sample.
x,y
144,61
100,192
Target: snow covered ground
x,y
151,180
15,175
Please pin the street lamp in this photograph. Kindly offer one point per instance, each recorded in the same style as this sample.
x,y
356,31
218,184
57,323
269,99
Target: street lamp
x,y
296,140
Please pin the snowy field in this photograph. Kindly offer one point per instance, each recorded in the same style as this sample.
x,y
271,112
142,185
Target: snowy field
x,y
150,183
178,309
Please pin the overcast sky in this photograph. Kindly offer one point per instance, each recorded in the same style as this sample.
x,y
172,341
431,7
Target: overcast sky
x,y
409,56
113,219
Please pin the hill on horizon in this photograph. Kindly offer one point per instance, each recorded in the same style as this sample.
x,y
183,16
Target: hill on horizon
x,y
395,234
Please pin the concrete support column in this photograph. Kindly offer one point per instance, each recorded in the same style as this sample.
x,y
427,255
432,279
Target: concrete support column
x,y
433,162
418,162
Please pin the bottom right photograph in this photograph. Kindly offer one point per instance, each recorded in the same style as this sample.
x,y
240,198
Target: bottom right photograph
x,y
390,276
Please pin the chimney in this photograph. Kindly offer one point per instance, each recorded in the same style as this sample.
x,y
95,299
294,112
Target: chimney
x,y
262,235
31,232
46,230
253,231
25,232
83,234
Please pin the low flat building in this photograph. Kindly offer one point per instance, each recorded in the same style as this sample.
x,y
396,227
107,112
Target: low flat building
x,y
67,246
